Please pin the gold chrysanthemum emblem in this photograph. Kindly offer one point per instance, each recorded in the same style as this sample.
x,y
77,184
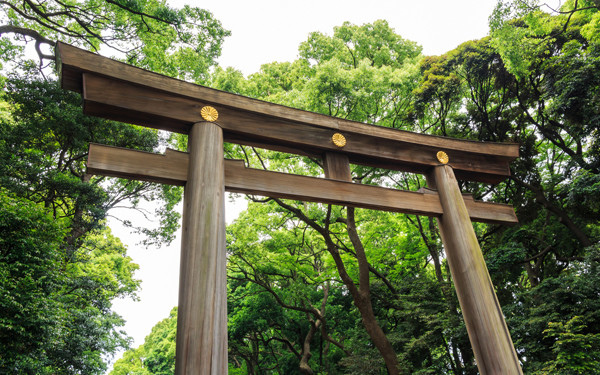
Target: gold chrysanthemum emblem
x,y
338,140
442,157
209,113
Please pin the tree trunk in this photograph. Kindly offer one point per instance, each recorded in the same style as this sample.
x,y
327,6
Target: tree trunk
x,y
376,334
361,295
362,300
306,354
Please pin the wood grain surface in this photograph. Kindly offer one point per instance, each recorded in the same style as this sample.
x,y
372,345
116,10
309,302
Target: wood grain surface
x,y
172,168
121,92
336,166
201,342
492,345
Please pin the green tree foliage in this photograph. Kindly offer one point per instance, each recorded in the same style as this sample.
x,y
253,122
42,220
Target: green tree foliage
x,y
298,273
44,149
535,82
182,43
576,353
55,312
285,311
156,356
363,73
550,107
523,29
29,245
61,267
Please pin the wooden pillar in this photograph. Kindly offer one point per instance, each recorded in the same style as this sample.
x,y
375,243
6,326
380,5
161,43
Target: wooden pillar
x,y
337,166
201,344
488,333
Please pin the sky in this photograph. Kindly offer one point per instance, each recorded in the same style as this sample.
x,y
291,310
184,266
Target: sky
x,y
265,31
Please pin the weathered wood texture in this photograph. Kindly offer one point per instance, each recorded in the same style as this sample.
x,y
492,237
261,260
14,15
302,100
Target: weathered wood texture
x,y
172,168
337,166
488,333
201,343
121,92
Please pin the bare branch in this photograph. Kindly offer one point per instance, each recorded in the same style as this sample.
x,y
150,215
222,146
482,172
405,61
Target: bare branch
x,y
39,39
27,32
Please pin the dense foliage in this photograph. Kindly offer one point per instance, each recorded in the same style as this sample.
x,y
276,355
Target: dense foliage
x,y
156,356
60,267
182,43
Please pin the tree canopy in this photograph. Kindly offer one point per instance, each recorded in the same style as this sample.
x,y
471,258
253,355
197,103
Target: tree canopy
x,y
182,43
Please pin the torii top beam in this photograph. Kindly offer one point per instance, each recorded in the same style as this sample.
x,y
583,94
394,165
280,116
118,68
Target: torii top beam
x,y
118,91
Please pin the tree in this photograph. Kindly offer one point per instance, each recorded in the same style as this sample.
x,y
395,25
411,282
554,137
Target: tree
x,y
181,43
55,313
283,295
29,249
534,82
44,150
157,354
340,76
522,28
365,81
62,321
61,278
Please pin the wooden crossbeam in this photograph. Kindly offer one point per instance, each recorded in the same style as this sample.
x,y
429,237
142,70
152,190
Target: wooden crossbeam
x,y
125,93
172,168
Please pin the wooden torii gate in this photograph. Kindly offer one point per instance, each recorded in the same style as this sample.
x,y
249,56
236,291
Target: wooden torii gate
x,y
118,91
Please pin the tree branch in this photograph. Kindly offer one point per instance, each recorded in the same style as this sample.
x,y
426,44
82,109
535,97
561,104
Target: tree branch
x,y
39,38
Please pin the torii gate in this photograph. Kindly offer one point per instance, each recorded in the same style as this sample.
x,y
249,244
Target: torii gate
x,y
121,92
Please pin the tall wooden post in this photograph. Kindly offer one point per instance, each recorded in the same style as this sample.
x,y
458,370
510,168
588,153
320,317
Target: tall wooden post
x,y
201,344
488,333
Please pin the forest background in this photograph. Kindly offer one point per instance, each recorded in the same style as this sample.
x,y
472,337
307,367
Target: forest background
x,y
312,288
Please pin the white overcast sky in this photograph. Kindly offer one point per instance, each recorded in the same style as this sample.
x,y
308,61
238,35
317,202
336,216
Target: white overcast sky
x,y
270,30
264,31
